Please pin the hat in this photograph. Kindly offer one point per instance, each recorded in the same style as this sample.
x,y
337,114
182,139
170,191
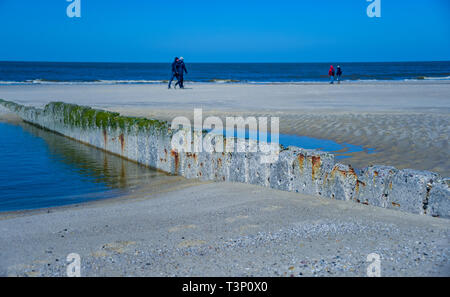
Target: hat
x,y
181,58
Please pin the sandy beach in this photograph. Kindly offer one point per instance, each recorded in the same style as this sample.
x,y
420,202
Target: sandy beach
x,y
222,229
406,123
244,140
178,227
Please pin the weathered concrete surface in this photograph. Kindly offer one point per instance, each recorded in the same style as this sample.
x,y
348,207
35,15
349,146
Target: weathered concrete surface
x,y
223,229
297,170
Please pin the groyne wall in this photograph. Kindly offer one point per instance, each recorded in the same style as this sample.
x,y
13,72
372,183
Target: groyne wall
x,y
148,142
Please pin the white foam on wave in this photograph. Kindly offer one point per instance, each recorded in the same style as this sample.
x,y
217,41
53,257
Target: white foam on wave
x,y
437,78
99,82
13,83
215,81
131,81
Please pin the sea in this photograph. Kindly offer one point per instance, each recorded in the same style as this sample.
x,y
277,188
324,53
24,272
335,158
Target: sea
x,y
251,73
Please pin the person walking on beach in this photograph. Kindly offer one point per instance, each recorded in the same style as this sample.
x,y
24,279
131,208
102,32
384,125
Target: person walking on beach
x,y
174,72
181,69
338,74
331,74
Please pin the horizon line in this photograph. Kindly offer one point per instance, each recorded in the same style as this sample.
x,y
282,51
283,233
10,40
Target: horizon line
x,y
196,62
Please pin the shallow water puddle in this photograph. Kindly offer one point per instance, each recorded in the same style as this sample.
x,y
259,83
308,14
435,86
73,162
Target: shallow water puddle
x,y
341,151
41,169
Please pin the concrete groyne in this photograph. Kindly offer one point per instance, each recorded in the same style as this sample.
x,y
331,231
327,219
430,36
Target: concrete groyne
x,y
148,142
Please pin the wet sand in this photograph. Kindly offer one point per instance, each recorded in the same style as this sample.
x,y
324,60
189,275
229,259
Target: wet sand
x,y
407,123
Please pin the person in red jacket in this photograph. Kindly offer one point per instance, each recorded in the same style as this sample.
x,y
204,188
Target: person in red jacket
x,y
331,74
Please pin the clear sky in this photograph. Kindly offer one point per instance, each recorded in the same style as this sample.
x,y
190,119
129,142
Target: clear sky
x,y
225,31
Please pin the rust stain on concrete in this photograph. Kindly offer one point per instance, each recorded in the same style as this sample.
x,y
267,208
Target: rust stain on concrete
x,y
315,164
105,138
175,155
395,204
122,142
301,160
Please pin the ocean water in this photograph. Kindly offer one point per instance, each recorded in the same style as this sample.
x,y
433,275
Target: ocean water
x,y
40,169
146,73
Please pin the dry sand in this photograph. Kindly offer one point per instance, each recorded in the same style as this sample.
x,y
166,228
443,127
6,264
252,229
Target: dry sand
x,y
222,229
407,123
189,228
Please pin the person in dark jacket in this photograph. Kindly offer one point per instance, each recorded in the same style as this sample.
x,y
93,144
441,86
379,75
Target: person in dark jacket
x,y
338,74
174,71
181,69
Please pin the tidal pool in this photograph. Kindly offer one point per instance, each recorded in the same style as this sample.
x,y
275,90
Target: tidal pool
x,y
340,150
40,169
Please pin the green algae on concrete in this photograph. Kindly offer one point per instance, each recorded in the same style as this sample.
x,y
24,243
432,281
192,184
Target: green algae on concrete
x,y
11,105
86,117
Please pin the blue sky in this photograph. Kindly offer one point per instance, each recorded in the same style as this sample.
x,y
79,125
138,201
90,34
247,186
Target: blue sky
x,y
225,31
